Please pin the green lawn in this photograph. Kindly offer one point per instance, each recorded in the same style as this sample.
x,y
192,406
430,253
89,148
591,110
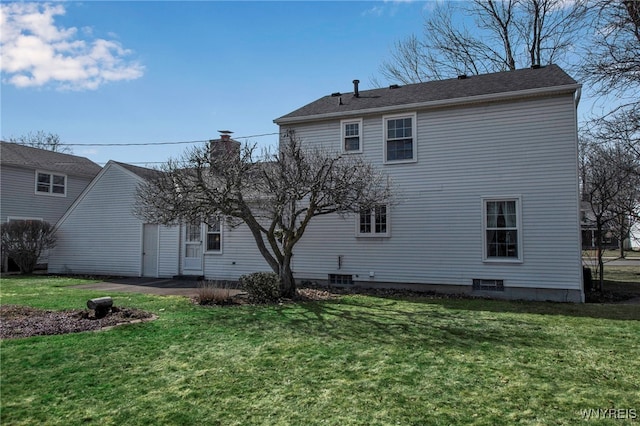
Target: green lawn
x,y
358,360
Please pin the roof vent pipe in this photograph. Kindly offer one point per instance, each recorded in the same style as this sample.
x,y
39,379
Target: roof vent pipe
x,y
356,93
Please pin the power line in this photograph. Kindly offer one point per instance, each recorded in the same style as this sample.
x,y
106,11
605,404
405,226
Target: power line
x,y
162,143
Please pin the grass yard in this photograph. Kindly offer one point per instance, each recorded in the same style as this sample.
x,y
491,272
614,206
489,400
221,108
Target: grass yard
x,y
357,360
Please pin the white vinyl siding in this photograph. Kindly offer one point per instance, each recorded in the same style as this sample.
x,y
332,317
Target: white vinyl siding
x,y
100,235
168,251
526,147
19,197
240,256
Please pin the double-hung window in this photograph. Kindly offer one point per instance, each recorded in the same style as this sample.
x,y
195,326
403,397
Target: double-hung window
x,y
214,235
502,229
374,222
351,135
400,138
51,184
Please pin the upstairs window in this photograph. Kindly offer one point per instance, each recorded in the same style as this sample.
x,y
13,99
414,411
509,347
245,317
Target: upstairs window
x,y
502,232
400,138
351,135
51,184
374,222
214,235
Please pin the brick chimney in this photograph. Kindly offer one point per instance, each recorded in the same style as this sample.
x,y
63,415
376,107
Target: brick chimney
x,y
224,145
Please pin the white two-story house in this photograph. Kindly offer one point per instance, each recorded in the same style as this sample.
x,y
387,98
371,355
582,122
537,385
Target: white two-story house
x,y
486,177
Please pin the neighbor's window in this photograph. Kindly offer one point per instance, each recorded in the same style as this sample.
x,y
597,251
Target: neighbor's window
x,y
374,222
214,235
400,138
351,135
51,184
502,229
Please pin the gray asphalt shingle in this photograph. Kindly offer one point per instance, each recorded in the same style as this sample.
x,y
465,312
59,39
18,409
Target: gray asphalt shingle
x,y
455,88
13,154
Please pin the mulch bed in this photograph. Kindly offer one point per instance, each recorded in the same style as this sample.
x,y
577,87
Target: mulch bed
x,y
25,321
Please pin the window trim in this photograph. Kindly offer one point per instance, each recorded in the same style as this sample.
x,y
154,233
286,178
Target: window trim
x,y
519,229
374,234
50,192
206,237
343,124
414,137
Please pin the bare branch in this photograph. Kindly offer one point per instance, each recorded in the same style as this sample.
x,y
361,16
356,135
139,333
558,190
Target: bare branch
x,y
276,197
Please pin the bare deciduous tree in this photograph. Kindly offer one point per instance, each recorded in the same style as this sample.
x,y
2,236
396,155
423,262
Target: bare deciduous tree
x,y
612,69
505,35
612,63
276,197
42,140
611,188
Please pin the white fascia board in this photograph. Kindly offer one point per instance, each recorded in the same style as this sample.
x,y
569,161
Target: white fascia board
x,y
441,103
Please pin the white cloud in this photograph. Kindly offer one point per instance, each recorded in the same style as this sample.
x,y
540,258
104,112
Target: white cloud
x,y
375,11
36,52
386,7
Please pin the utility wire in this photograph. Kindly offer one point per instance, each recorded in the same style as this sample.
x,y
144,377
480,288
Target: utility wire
x,y
162,143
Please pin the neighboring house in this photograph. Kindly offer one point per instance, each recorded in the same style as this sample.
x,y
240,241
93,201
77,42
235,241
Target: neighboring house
x,y
609,237
38,184
634,237
589,230
486,179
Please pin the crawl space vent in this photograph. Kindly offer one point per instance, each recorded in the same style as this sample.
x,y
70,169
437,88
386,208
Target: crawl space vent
x,y
340,279
490,285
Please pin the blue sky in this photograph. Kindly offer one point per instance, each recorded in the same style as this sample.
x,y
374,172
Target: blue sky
x,y
147,72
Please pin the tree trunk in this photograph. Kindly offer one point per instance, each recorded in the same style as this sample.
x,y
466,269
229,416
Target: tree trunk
x,y
600,268
600,251
288,283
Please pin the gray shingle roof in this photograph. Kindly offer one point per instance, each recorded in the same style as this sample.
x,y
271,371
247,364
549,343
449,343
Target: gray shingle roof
x,y
13,154
441,90
143,172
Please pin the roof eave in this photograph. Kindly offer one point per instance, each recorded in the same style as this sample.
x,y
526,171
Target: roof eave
x,y
441,103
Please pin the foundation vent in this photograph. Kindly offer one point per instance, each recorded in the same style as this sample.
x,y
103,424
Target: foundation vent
x,y
488,285
340,279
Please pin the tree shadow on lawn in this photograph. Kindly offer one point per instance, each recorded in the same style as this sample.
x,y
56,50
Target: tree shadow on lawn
x,y
608,311
389,322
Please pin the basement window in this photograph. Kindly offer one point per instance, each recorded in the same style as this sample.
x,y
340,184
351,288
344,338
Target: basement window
x,y
340,279
488,285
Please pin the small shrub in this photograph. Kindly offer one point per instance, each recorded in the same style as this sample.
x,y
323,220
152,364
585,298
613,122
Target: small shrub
x,y
25,240
262,287
214,293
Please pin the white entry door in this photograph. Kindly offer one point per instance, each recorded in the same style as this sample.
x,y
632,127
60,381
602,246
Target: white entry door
x,y
150,250
192,263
